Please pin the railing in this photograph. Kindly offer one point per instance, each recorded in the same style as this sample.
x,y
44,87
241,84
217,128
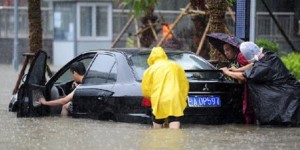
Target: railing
x,y
120,18
7,22
265,26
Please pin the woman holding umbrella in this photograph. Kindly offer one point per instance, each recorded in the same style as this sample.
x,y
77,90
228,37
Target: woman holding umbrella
x,y
229,47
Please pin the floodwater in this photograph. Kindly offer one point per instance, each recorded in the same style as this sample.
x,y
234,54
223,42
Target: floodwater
x,y
68,133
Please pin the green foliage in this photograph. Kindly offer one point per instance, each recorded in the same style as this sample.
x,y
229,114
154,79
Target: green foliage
x,y
292,62
137,7
268,45
230,2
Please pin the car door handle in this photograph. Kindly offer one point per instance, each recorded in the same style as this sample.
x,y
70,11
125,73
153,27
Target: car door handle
x,y
102,99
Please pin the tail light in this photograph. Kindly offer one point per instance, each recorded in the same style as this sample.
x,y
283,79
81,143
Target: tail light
x,y
146,102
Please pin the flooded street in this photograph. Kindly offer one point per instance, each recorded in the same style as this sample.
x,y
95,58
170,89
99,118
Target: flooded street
x,y
69,133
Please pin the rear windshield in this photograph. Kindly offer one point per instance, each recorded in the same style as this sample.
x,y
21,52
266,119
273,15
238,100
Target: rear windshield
x,y
194,66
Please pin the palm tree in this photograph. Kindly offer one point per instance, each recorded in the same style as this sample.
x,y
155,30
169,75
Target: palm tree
x,y
216,9
200,22
145,7
35,26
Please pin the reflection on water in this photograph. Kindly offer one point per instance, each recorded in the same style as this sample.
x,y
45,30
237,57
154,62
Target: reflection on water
x,y
163,139
77,134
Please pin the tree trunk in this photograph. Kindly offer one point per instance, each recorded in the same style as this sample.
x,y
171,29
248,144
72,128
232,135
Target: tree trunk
x,y
200,22
35,26
217,10
147,37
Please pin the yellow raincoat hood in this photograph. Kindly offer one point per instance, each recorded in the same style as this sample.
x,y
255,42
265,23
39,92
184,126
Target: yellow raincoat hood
x,y
156,54
165,83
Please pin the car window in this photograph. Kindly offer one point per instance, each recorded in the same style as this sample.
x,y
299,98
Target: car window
x,y
67,75
37,74
139,64
102,71
187,61
112,78
190,62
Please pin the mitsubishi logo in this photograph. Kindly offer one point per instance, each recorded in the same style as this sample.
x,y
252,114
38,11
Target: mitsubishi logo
x,y
205,88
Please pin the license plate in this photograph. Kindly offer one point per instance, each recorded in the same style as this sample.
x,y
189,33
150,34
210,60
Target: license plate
x,y
204,101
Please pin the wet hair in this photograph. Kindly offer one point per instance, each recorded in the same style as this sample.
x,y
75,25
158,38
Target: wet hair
x,y
78,67
234,49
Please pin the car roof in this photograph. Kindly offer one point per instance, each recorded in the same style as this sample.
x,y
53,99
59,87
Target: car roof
x,y
133,51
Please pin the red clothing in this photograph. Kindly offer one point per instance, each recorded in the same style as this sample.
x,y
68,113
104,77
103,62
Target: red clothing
x,y
248,111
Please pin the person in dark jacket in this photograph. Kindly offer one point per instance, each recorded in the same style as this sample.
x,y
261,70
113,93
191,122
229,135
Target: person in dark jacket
x,y
275,93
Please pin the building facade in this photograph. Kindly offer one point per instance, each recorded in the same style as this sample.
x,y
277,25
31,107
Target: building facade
x,y
71,27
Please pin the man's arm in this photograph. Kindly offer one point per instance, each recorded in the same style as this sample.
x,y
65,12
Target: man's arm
x,y
60,101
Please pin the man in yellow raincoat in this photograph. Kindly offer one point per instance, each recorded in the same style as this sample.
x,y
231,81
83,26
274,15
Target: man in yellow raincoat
x,y
166,85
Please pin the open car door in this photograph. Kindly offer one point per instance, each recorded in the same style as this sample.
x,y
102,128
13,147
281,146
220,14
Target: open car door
x,y
33,87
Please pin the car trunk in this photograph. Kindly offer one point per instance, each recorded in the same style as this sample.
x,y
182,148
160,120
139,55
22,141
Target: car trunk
x,y
227,110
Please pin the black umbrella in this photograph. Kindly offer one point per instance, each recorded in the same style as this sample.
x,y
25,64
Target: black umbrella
x,y
219,39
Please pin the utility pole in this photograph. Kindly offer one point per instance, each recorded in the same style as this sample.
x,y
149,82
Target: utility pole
x,y
252,20
15,60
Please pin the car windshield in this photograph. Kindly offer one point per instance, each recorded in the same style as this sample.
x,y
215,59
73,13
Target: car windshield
x,y
195,67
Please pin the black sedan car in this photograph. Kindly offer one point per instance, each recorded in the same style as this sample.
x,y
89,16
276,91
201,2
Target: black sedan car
x,y
111,88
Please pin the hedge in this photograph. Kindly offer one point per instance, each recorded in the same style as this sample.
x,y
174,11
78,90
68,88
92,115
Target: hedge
x,y
292,62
